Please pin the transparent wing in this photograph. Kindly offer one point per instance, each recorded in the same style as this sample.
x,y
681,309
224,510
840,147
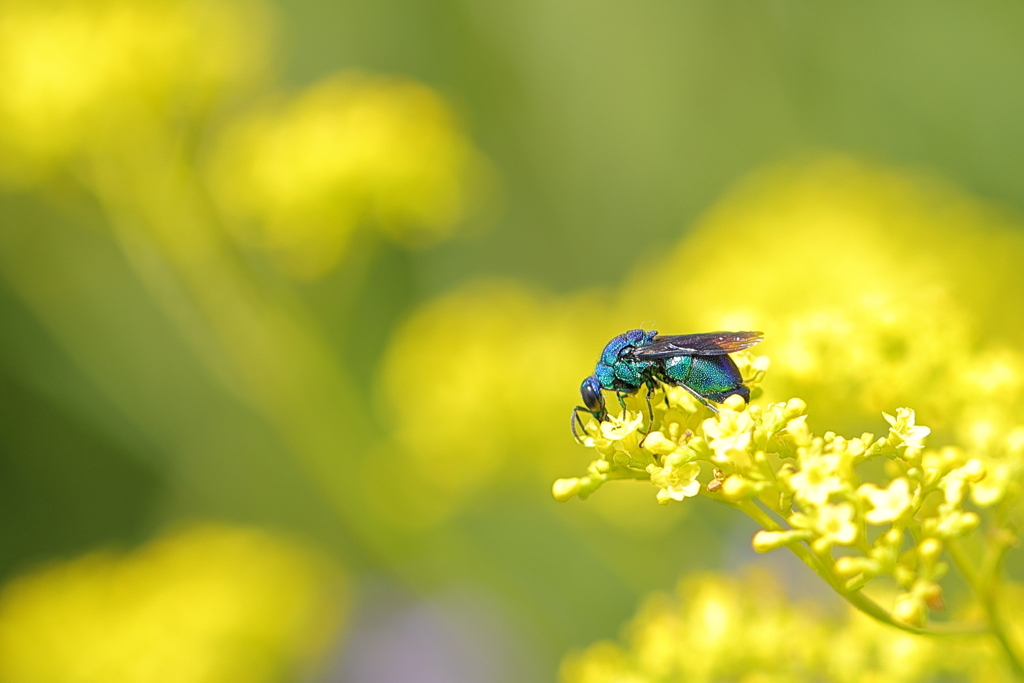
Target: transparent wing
x,y
707,344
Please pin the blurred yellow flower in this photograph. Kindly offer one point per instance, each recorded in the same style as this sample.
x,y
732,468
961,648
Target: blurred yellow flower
x,y
874,288
888,504
479,385
832,524
720,629
905,435
203,605
353,149
854,324
77,74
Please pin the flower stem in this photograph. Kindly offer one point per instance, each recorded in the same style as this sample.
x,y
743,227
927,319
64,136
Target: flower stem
x,y
855,598
984,586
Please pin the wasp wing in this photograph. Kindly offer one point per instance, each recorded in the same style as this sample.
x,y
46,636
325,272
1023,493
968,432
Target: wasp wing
x,y
707,344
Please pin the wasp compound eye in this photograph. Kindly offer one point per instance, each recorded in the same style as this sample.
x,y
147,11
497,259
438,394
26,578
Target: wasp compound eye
x,y
590,391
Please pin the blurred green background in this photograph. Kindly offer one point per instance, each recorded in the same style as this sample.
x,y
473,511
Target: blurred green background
x,y
163,365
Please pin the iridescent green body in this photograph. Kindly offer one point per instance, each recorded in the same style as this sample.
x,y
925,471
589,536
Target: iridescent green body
x,y
714,377
699,363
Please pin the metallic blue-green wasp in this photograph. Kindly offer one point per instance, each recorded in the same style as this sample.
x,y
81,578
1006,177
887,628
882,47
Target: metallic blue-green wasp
x,y
699,363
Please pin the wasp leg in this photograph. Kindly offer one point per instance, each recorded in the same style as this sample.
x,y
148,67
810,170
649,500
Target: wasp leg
x,y
650,410
707,404
575,420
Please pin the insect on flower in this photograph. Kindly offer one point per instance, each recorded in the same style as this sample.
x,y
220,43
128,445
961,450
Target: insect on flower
x,y
699,363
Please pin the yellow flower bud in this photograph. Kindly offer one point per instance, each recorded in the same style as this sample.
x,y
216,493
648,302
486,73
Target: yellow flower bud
x,y
798,429
736,487
765,541
795,407
655,442
850,565
929,550
973,471
910,609
565,489
846,567
735,403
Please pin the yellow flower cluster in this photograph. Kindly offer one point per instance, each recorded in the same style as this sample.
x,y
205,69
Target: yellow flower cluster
x,y
208,604
116,94
664,450
351,150
873,288
864,304
717,629
850,271
78,74
811,483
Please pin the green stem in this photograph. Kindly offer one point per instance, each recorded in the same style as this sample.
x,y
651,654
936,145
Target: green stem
x,y
983,583
855,598
627,473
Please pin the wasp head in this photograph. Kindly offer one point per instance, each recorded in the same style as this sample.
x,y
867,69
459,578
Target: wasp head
x,y
593,399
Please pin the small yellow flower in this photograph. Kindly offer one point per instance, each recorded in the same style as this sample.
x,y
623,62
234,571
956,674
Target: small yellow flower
x,y
729,435
657,443
675,481
832,524
993,487
888,504
903,432
618,428
835,524
954,484
817,479
951,521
